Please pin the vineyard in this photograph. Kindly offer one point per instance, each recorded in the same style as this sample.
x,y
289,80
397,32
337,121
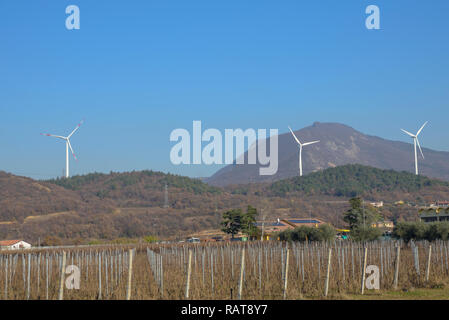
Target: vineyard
x,y
253,270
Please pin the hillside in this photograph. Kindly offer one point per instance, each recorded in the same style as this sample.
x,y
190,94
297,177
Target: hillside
x,y
351,181
21,197
130,204
339,145
138,188
108,206
355,180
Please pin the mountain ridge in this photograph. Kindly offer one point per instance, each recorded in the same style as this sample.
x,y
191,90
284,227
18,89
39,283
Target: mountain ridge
x,y
339,145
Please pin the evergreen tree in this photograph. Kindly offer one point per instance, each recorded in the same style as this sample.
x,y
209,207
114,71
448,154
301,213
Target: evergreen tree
x,y
249,222
236,220
232,222
360,219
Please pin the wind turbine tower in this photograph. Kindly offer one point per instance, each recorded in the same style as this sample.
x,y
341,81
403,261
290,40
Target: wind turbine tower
x,y
67,146
416,142
300,149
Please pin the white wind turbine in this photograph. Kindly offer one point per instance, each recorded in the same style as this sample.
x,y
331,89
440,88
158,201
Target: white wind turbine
x,y
300,149
67,146
416,142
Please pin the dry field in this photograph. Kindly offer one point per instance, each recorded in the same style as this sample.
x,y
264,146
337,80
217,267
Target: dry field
x,y
271,270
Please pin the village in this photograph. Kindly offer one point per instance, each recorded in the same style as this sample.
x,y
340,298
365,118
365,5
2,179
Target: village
x,y
270,229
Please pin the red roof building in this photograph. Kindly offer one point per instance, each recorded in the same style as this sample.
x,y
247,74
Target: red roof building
x,y
14,244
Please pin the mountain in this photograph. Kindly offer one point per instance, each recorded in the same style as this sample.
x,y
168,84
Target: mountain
x,y
339,145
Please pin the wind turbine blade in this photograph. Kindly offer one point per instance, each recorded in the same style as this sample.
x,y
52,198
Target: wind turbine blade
x,y
71,149
294,136
309,143
410,134
77,127
419,131
417,141
52,135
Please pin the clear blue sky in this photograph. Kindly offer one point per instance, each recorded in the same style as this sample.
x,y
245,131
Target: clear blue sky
x,y
136,70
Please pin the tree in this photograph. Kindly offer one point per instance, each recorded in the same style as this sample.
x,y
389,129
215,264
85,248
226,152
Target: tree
x,y
422,231
365,233
324,232
360,219
286,235
443,230
235,221
249,222
304,233
410,230
232,222
327,232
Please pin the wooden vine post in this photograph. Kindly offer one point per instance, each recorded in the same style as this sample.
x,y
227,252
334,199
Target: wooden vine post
x,y
189,271
130,274
396,272
286,273
326,285
61,280
242,270
364,270
428,263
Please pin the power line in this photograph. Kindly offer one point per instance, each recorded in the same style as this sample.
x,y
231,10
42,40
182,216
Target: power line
x,y
166,197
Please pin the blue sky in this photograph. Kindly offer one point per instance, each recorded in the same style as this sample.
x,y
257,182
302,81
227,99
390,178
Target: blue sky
x,y
136,70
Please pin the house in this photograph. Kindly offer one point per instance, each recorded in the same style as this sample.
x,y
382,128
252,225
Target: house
x,y
271,227
442,204
14,245
386,224
308,222
428,216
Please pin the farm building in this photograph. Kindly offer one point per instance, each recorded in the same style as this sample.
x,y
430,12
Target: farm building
x,y
440,204
434,215
271,227
308,222
14,245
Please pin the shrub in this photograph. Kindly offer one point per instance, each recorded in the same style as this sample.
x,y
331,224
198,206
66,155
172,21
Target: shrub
x,y
323,233
421,231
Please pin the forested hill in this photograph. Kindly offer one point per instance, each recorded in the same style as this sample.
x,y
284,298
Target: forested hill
x,y
149,179
352,180
137,185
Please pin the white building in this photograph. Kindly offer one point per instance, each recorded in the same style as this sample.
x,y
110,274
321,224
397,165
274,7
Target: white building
x,y
14,245
379,204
